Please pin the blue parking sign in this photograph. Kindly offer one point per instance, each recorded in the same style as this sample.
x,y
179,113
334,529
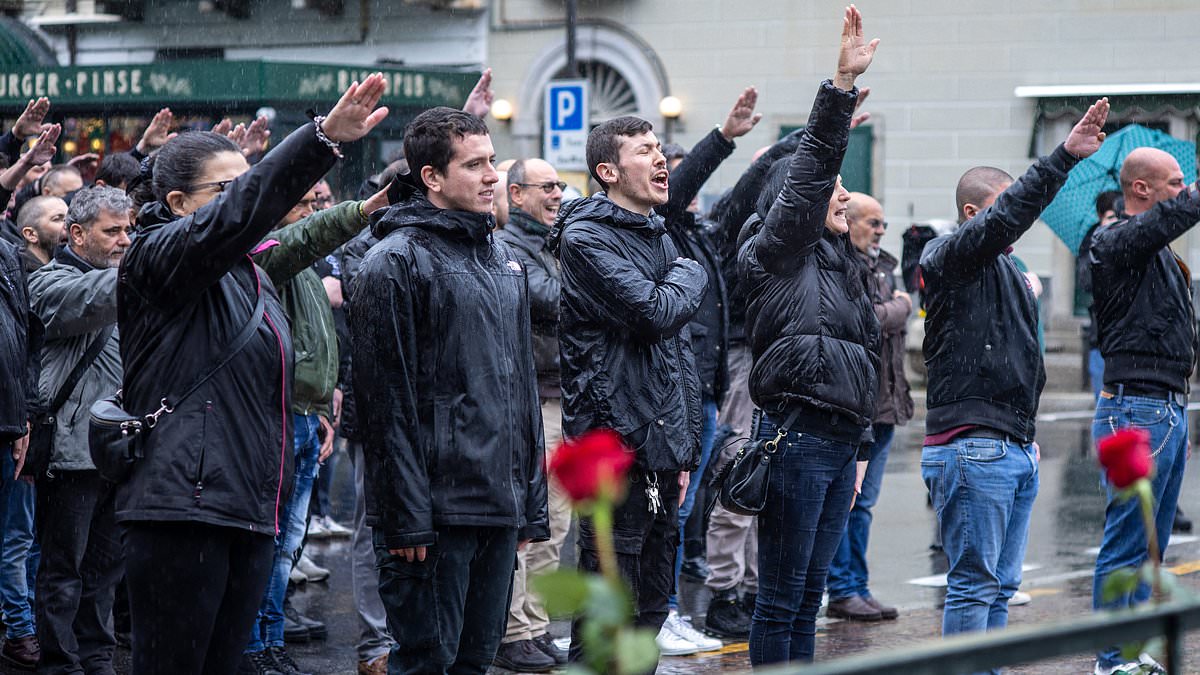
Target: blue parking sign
x,y
565,124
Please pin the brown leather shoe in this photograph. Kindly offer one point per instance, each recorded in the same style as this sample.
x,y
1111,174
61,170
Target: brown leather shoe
x,y
888,613
854,608
376,666
23,653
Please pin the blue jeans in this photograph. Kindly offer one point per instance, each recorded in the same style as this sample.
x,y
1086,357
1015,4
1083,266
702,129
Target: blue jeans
x,y
808,499
19,555
268,628
708,434
1096,371
983,491
848,571
1124,543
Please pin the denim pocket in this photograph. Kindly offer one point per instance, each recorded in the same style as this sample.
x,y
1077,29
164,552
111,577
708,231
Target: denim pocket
x,y
1146,414
982,450
933,474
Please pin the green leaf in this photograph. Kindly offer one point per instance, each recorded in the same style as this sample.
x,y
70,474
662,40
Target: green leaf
x,y
598,645
1130,651
577,669
637,652
606,604
1119,582
564,592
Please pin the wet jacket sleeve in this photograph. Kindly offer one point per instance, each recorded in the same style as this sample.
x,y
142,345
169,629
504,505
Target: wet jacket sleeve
x,y
544,288
34,338
1134,242
796,220
10,149
71,304
692,172
977,242
537,518
732,210
177,262
308,240
384,329
623,295
351,260
893,315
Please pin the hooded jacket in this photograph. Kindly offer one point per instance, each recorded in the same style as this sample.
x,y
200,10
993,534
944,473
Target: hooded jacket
x,y
448,408
809,321
624,344
527,239
185,289
20,342
981,345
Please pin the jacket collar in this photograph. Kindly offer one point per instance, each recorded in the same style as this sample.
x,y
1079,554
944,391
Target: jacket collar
x,y
416,211
525,223
600,209
154,213
64,255
884,261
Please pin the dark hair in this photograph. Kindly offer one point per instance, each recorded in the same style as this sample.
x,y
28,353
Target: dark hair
x,y
604,143
515,173
673,151
179,163
52,175
117,169
1108,201
977,185
772,185
429,138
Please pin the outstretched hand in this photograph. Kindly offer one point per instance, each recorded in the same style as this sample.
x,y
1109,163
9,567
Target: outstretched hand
x,y
158,133
859,118
1085,139
30,123
254,141
479,102
46,147
742,117
355,115
856,53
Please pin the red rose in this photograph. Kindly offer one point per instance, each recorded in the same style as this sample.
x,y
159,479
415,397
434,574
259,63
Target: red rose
x,y
1125,456
594,460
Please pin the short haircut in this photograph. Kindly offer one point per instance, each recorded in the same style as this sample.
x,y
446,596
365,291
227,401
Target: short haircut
x,y
429,138
394,169
88,203
1108,201
516,174
33,210
673,151
977,185
56,173
117,169
604,142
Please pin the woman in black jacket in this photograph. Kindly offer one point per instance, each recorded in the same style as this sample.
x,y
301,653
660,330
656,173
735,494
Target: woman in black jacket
x,y
201,508
814,338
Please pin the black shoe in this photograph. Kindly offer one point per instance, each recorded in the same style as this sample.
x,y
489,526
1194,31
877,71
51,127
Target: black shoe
x,y
293,632
1182,523
546,644
524,656
283,661
749,600
695,569
726,618
853,608
257,663
316,629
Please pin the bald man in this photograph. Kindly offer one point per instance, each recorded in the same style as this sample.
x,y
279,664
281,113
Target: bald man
x,y
985,378
1146,328
41,224
849,595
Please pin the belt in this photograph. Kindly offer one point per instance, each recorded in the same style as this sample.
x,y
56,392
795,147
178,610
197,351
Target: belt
x,y
1178,398
987,432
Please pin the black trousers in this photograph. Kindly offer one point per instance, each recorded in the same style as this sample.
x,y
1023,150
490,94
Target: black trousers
x,y
78,572
194,591
645,545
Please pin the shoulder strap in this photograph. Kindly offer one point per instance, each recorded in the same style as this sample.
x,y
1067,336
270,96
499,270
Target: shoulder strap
x,y
791,419
89,357
234,347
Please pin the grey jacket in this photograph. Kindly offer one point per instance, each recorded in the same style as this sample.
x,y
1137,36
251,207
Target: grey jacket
x,y
75,302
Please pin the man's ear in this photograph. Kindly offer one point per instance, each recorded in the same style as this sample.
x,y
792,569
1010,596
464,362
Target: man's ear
x,y
608,173
29,235
513,191
431,178
970,210
75,234
1141,189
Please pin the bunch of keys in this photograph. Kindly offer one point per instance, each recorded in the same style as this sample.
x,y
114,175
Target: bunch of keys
x,y
652,497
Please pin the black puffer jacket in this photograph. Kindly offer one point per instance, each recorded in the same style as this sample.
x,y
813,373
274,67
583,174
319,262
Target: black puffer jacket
x,y
20,344
443,369
527,239
981,345
1142,298
626,350
186,288
810,323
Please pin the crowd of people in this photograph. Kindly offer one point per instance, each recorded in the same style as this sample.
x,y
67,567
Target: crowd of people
x,y
459,318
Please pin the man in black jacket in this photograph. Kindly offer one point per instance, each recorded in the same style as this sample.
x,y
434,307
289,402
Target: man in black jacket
x,y
1142,303
447,403
985,377
626,352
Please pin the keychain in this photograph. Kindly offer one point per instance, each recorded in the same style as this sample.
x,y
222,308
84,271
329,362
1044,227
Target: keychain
x,y
652,496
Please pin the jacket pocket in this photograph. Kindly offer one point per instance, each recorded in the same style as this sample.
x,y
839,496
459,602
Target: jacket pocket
x,y
198,474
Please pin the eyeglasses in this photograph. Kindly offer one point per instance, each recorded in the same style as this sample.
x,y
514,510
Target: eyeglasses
x,y
547,187
219,184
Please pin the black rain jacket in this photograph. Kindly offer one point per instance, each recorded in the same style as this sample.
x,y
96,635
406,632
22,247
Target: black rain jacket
x,y
186,288
809,321
20,346
1142,297
448,408
981,345
525,237
625,348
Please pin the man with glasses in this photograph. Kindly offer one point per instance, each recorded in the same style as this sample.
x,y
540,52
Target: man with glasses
x,y
534,195
849,597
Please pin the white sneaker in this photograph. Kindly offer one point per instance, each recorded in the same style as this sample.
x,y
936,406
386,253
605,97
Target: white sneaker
x,y
334,528
1150,664
682,626
297,577
1131,668
311,570
670,644
317,529
1020,598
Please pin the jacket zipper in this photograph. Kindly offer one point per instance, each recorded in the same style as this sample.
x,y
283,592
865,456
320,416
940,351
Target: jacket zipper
x,y
203,448
282,400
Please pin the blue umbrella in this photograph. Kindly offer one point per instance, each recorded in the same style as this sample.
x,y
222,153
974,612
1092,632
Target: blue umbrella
x,y
1073,210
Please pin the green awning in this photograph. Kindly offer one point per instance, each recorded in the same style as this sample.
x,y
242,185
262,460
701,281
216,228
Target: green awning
x,y
224,83
1137,108
21,47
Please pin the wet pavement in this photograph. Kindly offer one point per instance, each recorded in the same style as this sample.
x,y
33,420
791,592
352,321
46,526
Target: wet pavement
x,y
1065,531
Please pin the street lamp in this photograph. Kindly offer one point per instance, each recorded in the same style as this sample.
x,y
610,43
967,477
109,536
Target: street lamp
x,y
670,108
502,109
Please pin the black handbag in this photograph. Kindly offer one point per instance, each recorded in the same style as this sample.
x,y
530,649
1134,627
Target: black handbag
x,y
42,429
743,482
115,436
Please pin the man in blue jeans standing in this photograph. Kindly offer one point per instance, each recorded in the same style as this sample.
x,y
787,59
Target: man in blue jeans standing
x,y
849,597
985,377
1142,304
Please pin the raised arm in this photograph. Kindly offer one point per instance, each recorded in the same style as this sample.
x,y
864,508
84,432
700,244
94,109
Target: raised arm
x,y
70,305
1133,242
42,152
29,124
